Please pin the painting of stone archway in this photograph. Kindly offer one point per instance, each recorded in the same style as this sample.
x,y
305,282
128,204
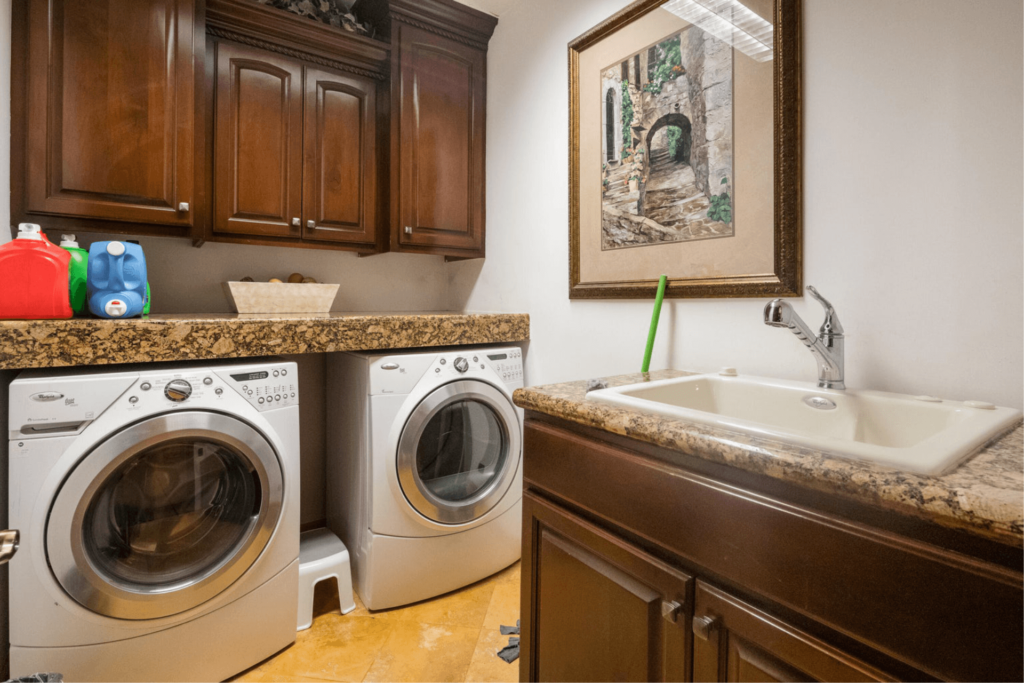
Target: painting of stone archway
x,y
667,143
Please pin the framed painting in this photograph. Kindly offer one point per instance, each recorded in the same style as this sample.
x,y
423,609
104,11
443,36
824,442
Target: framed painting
x,y
684,159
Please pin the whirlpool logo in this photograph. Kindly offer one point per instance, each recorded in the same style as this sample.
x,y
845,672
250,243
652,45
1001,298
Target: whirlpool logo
x,y
48,396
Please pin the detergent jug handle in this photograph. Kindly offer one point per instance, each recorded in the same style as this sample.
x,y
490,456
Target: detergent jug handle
x,y
116,252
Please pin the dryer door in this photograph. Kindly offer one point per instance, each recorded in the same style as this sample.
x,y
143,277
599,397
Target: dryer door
x,y
165,514
459,452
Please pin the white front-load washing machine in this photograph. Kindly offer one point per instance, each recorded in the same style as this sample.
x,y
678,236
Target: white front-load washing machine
x,y
159,516
424,472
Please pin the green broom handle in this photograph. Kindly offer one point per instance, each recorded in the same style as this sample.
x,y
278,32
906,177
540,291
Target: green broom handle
x,y
654,323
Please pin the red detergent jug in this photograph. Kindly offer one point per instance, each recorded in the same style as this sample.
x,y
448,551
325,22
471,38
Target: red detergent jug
x,y
33,277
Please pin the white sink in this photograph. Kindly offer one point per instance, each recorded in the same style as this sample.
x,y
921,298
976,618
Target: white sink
x,y
916,434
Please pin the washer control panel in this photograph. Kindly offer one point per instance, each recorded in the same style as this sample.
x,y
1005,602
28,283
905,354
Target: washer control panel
x,y
267,387
508,363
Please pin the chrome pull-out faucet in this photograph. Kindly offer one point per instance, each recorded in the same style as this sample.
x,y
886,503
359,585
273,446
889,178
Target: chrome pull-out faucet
x,y
827,346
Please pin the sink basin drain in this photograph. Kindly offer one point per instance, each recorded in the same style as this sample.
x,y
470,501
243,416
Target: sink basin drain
x,y
820,402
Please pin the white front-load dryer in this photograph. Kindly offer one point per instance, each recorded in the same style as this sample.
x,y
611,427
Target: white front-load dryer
x,y
159,516
424,468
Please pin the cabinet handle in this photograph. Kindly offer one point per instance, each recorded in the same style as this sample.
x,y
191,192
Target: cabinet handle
x,y
703,627
9,540
183,207
297,222
670,610
408,230
310,224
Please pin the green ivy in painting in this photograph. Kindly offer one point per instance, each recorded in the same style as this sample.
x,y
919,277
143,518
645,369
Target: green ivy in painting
x,y
668,67
721,206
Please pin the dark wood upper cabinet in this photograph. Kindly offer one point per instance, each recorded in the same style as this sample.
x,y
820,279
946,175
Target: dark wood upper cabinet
x,y
258,143
233,121
441,93
104,114
340,164
735,641
295,132
438,118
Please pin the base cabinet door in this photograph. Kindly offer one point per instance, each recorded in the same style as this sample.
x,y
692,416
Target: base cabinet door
x,y
108,117
340,164
258,143
597,608
734,641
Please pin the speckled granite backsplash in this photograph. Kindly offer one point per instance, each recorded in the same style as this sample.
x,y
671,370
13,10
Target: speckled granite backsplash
x,y
91,341
985,495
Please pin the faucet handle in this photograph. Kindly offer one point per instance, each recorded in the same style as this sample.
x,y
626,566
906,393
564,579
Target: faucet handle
x,y
831,326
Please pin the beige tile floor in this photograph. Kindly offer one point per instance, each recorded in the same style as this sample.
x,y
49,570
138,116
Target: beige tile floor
x,y
450,638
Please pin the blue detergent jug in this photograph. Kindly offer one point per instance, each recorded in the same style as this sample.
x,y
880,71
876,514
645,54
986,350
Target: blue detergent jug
x,y
116,280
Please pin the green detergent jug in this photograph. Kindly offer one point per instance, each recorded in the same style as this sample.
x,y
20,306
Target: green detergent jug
x,y
147,302
76,272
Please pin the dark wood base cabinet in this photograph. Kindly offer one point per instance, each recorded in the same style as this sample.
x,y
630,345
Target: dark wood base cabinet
x,y
641,564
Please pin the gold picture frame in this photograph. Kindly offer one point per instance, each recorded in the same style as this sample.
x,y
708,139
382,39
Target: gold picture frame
x,y
781,274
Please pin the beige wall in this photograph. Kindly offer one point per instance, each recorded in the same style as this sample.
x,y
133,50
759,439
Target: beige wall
x,y
185,279
912,211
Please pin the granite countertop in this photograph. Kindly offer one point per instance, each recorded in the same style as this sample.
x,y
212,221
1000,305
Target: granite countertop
x,y
94,341
984,496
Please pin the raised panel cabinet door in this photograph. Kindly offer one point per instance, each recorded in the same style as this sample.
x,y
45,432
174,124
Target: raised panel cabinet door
x,y
735,641
340,165
595,607
257,172
110,116
442,89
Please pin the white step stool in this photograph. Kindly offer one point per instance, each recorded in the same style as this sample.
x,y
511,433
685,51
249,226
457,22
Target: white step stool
x,y
322,555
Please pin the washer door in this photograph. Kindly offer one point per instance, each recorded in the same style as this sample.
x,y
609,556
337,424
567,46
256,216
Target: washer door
x,y
164,515
459,451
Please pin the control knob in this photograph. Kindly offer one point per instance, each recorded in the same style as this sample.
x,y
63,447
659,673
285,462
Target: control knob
x,y
178,390
461,364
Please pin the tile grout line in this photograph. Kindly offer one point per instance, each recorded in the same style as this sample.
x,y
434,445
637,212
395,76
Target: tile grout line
x,y
383,646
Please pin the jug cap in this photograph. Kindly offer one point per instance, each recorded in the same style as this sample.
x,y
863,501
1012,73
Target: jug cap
x,y
115,248
68,241
29,231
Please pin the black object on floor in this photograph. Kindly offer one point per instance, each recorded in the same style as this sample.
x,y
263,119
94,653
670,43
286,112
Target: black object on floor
x,y
39,678
510,652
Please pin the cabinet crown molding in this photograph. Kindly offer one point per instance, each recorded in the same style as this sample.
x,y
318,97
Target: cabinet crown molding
x,y
278,31
446,18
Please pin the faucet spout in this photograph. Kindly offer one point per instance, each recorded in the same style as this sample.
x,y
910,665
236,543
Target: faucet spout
x,y
827,347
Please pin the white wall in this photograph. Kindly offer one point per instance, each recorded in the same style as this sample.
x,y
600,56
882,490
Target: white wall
x,y
912,211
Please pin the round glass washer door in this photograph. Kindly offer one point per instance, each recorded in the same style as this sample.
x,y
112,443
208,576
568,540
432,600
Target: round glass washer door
x,y
459,452
164,515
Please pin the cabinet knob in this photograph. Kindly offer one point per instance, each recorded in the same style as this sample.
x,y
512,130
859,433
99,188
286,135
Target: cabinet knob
x,y
670,610
408,230
310,224
703,627
183,207
297,222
